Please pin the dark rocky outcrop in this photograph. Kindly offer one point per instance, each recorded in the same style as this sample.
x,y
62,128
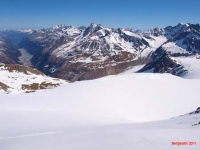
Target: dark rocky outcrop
x,y
162,63
38,86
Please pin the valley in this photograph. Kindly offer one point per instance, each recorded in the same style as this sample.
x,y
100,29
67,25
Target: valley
x,y
25,58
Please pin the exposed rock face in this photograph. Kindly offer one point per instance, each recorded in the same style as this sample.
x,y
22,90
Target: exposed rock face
x,y
85,71
38,86
16,78
4,87
162,63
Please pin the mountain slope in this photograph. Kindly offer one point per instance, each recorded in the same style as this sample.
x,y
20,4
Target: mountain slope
x,y
85,54
183,38
95,51
16,78
8,52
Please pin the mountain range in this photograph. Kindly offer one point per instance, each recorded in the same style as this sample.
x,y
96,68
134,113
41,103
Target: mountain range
x,y
82,53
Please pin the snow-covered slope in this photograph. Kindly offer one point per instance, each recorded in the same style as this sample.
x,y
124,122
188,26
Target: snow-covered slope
x,y
15,78
106,113
160,135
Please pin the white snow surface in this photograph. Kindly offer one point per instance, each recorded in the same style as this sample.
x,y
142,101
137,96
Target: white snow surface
x,y
192,64
154,43
110,113
175,47
127,32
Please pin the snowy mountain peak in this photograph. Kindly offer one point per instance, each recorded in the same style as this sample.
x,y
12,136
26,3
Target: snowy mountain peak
x,y
29,31
129,32
183,24
93,28
93,25
58,26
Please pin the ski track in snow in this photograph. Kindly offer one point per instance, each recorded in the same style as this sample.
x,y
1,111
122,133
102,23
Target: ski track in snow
x,y
30,135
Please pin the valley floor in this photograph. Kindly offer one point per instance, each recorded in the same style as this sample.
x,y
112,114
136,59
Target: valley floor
x,y
25,57
110,113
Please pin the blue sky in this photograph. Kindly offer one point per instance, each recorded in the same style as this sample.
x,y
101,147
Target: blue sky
x,y
140,14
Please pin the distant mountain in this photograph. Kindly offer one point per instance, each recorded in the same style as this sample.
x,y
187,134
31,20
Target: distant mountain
x,y
15,36
73,54
91,52
183,40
